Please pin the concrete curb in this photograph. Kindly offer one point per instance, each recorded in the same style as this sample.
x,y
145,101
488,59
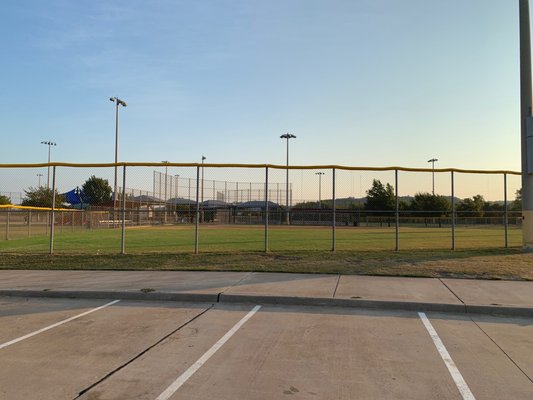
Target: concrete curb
x,y
332,302
276,300
507,311
109,294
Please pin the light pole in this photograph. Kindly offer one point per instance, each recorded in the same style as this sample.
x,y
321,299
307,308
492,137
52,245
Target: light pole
x,y
165,198
202,201
432,161
122,103
49,144
39,175
319,188
287,136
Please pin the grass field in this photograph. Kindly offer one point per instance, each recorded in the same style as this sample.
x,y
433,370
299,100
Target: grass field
x,y
214,238
423,251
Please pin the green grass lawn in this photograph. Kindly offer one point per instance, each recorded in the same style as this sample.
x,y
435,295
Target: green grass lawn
x,y
172,239
423,251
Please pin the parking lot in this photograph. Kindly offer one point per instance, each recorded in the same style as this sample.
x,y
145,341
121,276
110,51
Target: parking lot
x,y
101,349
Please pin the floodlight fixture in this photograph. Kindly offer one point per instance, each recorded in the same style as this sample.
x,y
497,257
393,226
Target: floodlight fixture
x,y
287,136
432,161
48,143
122,103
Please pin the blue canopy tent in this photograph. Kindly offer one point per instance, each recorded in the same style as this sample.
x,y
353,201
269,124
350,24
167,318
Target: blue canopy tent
x,y
76,198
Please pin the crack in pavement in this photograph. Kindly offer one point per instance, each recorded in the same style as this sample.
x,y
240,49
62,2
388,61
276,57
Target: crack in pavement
x,y
336,286
109,374
502,350
452,292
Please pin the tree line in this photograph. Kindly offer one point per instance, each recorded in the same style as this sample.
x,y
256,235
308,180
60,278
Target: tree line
x,y
94,191
381,200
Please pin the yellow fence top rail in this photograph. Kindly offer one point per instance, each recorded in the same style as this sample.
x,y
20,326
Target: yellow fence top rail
x,y
273,166
35,208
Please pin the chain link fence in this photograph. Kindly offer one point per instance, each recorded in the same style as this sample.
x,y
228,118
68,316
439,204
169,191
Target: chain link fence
x,y
173,207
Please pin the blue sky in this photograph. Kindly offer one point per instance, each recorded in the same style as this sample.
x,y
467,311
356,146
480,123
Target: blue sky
x,y
367,82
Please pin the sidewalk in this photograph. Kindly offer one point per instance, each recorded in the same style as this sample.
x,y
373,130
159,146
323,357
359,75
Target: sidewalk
x,y
512,298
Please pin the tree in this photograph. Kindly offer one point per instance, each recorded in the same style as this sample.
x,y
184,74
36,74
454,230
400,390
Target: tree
x,y
5,200
471,207
97,191
41,197
516,205
433,205
380,197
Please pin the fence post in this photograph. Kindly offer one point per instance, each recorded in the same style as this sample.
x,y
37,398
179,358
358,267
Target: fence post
x,y
506,215
453,211
266,209
52,213
197,209
29,223
123,236
334,214
397,212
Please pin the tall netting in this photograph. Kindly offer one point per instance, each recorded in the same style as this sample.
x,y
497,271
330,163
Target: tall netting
x,y
185,208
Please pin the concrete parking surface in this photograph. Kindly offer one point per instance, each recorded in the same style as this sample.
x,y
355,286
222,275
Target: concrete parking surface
x,y
71,349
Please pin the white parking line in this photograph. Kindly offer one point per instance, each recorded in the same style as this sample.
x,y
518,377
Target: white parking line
x,y
174,386
452,368
3,345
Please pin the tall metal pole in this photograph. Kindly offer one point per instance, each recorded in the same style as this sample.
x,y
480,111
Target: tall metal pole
x,y
453,211
203,159
123,235
525,114
287,136
118,103
197,210
116,156
48,177
165,199
432,161
397,211
49,144
39,175
334,215
505,208
266,209
52,213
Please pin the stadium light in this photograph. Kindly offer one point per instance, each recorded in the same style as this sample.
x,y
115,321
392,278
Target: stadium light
x,y
319,188
122,103
287,136
49,144
432,161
